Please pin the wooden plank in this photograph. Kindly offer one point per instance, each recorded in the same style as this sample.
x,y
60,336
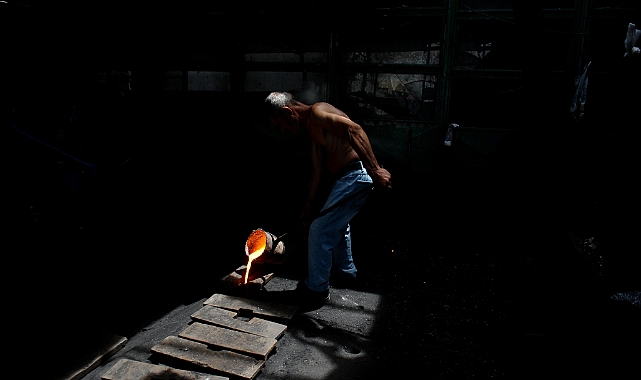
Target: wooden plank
x,y
97,347
223,361
259,308
237,341
258,278
227,318
126,369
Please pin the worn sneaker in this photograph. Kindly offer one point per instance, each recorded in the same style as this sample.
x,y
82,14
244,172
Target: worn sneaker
x,y
339,281
308,299
302,297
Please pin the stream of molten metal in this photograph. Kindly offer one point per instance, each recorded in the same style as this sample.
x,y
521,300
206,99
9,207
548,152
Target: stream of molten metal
x,y
252,257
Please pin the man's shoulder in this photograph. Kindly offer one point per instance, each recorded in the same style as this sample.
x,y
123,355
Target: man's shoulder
x,y
323,109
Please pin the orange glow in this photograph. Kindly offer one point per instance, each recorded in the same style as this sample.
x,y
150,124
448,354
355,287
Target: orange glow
x,y
252,256
254,247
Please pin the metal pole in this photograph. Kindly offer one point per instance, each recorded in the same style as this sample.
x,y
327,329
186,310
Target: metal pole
x,y
332,62
581,27
447,60
448,42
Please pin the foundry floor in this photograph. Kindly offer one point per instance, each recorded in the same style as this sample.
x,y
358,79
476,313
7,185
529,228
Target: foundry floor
x,y
432,332
456,300
459,286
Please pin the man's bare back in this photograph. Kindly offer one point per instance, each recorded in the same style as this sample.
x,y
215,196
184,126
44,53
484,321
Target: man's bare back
x,y
336,149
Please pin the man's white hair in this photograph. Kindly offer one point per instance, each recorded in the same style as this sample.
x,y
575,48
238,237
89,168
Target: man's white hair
x,y
277,100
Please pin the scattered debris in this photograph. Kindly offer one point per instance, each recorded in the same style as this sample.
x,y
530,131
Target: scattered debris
x,y
588,248
633,298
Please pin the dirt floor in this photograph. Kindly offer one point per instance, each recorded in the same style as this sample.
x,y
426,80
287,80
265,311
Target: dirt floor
x,y
475,288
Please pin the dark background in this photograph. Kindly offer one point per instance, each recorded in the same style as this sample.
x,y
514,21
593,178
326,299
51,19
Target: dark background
x,y
162,190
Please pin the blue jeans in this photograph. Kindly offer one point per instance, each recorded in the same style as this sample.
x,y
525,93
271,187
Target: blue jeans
x,y
329,239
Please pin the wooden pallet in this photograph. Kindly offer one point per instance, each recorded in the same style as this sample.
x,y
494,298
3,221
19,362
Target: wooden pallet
x,y
230,319
227,337
127,369
258,308
232,340
219,361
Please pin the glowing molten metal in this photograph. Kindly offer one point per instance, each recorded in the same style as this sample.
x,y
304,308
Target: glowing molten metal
x,y
254,247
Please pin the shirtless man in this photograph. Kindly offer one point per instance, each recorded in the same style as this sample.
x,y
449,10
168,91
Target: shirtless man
x,y
341,148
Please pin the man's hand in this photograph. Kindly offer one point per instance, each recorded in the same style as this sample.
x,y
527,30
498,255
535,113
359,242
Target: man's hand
x,y
382,178
305,218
